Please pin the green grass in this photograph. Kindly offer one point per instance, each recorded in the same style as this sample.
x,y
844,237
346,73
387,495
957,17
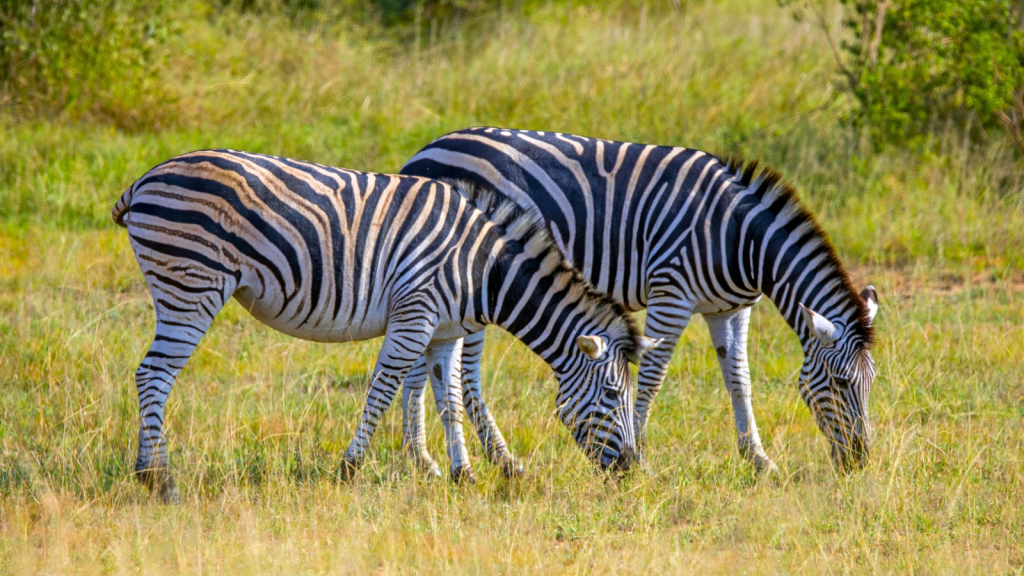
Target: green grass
x,y
258,421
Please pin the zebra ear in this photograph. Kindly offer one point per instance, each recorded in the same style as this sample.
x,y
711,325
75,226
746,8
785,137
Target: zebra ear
x,y
870,298
819,326
593,346
646,345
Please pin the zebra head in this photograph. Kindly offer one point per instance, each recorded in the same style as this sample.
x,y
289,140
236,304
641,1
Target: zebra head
x,y
836,379
595,397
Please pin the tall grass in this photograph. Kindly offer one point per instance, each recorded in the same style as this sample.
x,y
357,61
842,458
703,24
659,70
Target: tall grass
x,y
700,76
258,422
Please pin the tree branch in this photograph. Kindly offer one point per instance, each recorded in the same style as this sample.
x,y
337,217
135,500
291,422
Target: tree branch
x,y
823,24
876,41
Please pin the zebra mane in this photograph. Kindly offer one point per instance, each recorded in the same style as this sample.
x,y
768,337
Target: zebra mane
x,y
768,185
521,226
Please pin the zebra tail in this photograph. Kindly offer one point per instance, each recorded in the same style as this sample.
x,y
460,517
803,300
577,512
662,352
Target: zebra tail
x,y
121,208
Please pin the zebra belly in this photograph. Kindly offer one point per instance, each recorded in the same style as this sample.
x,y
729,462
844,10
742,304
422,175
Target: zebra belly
x,y
347,330
453,330
708,307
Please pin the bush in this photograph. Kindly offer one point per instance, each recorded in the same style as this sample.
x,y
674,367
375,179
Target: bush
x,y
396,11
108,59
82,56
915,65
387,12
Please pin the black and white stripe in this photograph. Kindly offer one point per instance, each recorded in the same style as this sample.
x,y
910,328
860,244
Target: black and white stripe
x,y
680,232
335,255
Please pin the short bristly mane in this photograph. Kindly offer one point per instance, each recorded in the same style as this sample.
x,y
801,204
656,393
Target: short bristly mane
x,y
520,226
767,183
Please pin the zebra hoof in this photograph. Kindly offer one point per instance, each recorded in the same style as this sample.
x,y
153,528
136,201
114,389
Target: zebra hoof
x,y
424,464
169,493
463,475
347,470
765,466
512,468
161,481
431,472
640,459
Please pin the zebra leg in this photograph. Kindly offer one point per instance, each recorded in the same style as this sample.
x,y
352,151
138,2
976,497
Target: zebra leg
x,y
413,394
483,421
414,433
404,343
444,364
182,320
667,317
729,336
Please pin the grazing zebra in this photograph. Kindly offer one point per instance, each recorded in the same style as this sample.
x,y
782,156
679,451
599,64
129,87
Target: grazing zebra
x,y
679,232
335,255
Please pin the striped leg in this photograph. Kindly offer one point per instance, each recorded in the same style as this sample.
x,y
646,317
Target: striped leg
x,y
667,317
444,363
483,421
414,430
402,346
408,337
182,319
729,336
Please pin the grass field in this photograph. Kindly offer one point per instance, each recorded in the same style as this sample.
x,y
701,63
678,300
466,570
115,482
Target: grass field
x,y
258,421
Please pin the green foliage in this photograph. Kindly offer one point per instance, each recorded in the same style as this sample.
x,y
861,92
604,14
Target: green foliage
x,y
388,12
113,60
341,96
917,65
79,56
395,11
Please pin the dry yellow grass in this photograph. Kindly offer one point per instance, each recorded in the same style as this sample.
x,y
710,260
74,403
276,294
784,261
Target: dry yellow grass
x,y
258,422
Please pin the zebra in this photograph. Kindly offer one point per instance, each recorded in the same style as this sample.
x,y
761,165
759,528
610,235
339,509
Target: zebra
x,y
680,232
335,255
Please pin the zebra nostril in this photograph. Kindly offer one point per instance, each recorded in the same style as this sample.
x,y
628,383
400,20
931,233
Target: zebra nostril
x,y
852,455
624,461
859,452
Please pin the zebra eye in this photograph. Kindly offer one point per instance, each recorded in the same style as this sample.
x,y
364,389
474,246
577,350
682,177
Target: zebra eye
x,y
609,394
841,383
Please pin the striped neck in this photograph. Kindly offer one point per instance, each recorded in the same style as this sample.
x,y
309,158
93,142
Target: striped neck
x,y
788,256
804,275
546,304
528,288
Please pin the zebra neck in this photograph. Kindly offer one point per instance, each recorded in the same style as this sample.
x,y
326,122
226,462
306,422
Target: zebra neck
x,y
546,311
798,265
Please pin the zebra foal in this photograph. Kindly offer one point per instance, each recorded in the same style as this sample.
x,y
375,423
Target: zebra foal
x,y
335,255
679,232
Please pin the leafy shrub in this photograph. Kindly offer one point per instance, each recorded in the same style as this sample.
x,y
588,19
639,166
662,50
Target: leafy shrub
x,y
388,12
114,60
915,65
398,11
82,56
296,10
